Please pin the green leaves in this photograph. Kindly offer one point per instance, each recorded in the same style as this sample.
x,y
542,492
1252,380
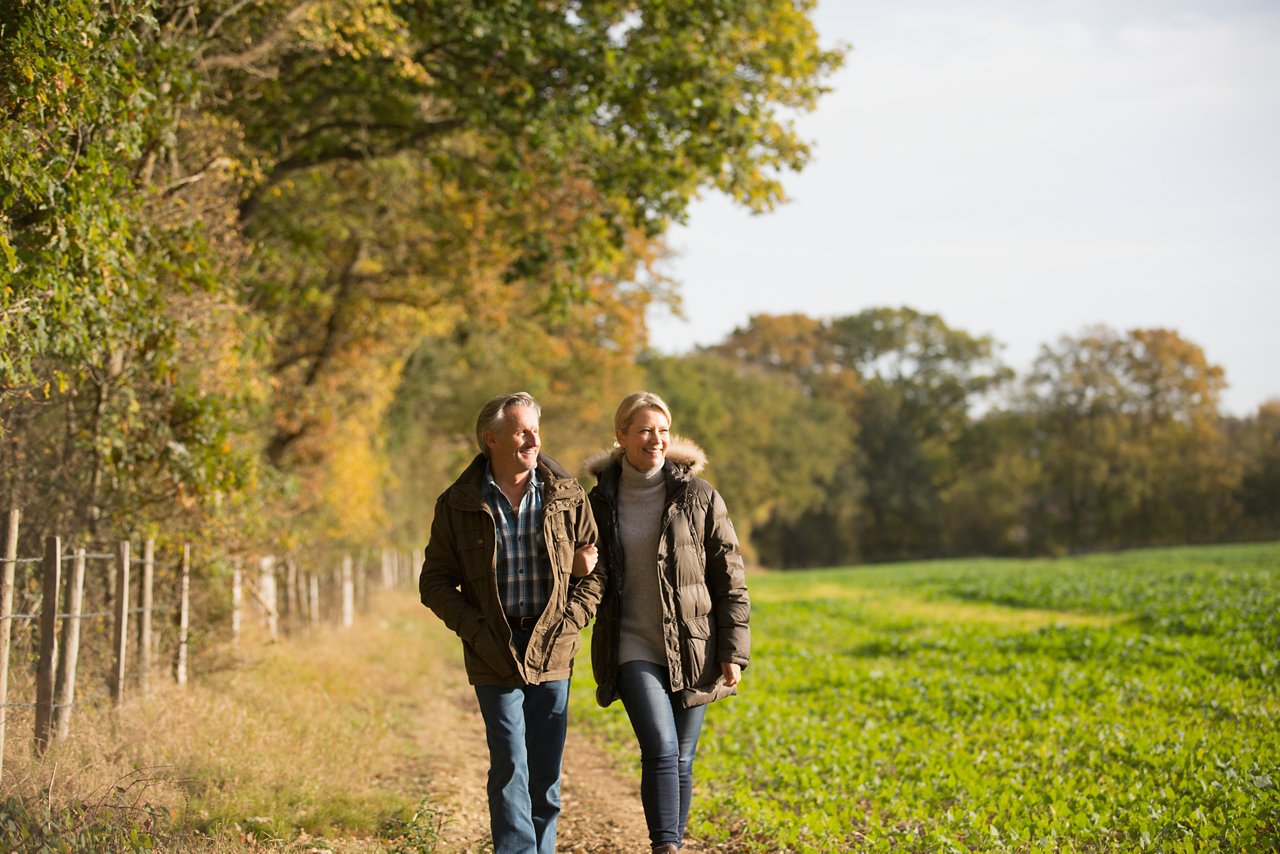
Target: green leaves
x,y
223,226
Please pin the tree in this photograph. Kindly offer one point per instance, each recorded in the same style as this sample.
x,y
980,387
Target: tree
x,y
1256,443
921,378
769,444
304,190
578,366
907,382
108,409
1127,435
986,509
406,164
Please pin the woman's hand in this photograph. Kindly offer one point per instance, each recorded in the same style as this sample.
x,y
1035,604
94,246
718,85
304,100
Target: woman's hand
x,y
732,673
584,560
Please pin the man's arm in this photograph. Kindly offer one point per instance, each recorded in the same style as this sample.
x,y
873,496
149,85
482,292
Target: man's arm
x,y
586,591
441,580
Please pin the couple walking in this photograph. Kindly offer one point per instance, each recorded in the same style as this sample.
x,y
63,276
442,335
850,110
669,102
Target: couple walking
x,y
520,560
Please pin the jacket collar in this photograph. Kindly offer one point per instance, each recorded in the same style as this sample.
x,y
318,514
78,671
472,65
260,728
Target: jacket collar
x,y
685,461
467,491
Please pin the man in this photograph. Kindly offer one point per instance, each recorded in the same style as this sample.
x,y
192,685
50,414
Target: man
x,y
509,569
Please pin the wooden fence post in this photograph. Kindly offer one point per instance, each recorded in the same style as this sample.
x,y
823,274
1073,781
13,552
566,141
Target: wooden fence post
x,y
313,606
304,599
348,594
67,662
267,597
144,623
6,614
292,604
184,617
334,586
362,585
48,659
237,603
121,636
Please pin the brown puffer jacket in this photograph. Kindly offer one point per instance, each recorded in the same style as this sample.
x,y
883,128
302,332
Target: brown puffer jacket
x,y
459,579
705,608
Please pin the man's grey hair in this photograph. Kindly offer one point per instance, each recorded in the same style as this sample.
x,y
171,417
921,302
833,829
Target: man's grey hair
x,y
493,413
633,403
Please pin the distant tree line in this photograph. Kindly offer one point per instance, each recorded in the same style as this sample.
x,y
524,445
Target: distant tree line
x,y
889,435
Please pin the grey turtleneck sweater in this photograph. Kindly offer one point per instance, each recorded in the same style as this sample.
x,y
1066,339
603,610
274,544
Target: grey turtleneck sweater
x,y
641,495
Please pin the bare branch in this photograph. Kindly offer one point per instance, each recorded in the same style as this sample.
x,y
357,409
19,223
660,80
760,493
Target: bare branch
x,y
231,12
23,305
298,162
216,163
330,344
262,49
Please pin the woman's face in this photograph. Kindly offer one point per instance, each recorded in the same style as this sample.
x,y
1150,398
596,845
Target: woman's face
x,y
646,439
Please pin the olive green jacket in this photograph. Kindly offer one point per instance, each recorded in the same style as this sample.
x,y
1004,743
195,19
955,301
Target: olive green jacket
x,y
459,579
705,607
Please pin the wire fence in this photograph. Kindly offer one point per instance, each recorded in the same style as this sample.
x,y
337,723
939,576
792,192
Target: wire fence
x,y
56,640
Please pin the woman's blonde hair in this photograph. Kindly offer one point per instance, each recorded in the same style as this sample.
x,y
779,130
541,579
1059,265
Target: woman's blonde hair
x,y
633,403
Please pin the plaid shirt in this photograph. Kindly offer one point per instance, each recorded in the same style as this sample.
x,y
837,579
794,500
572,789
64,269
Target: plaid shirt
x,y
524,569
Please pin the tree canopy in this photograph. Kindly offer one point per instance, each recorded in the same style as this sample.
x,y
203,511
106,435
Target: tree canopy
x,y
225,227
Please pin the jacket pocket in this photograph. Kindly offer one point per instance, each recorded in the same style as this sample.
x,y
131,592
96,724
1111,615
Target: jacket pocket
x,y
487,653
563,646
698,651
477,564
560,545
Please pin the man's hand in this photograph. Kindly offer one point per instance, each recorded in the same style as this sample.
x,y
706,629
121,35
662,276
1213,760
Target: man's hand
x,y
584,560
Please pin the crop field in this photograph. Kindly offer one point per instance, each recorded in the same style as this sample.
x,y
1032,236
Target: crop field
x,y
1119,702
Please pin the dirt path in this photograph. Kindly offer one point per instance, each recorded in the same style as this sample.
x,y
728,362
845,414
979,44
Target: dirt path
x,y
601,804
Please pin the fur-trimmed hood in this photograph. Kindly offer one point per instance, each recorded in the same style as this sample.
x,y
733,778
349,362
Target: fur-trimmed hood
x,y
683,454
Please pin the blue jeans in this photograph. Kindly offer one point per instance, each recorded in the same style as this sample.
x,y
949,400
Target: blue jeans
x,y
668,736
525,728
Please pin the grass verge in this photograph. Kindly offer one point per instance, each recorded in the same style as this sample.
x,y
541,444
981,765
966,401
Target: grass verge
x,y
311,743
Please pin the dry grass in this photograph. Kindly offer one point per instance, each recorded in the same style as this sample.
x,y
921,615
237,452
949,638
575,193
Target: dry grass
x,y
310,742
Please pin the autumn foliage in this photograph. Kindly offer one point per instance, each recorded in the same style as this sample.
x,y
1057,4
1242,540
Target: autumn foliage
x,y
261,262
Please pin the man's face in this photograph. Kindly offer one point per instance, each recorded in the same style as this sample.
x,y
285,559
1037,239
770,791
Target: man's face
x,y
513,447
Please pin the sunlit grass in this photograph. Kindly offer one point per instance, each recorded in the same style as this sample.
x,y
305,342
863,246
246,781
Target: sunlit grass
x,y
1112,702
932,610
310,739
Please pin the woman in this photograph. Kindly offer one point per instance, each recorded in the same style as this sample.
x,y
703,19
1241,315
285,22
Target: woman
x,y
671,633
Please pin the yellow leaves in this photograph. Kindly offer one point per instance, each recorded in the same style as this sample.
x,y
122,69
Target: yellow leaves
x,y
358,30
352,493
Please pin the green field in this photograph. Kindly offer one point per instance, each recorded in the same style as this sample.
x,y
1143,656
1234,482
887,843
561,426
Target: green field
x,y
1115,702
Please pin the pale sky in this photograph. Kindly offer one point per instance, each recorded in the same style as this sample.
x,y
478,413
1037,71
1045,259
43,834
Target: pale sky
x,y
1024,170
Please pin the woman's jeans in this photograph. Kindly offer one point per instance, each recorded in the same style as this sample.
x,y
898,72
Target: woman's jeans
x,y
668,736
525,728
